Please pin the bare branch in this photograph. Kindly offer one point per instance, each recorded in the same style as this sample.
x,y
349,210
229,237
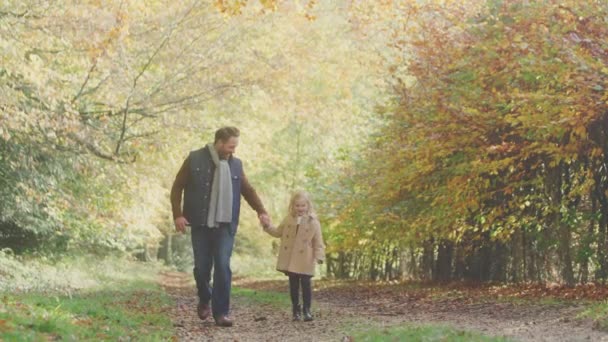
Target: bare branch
x,y
86,81
124,127
26,14
141,135
95,150
187,100
98,152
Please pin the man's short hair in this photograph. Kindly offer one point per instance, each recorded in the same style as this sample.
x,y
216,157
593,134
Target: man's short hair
x,y
226,133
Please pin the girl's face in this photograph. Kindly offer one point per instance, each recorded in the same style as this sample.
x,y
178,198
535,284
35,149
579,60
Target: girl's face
x,y
301,206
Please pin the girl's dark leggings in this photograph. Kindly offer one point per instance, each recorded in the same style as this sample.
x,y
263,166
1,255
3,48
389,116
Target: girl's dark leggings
x,y
295,280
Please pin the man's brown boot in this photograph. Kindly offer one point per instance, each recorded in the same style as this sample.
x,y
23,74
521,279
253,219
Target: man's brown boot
x,y
223,321
203,311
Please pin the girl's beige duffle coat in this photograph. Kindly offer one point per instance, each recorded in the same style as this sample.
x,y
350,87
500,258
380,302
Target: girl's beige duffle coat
x,y
301,245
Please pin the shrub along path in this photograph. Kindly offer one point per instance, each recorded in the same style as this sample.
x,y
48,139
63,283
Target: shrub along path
x,y
260,310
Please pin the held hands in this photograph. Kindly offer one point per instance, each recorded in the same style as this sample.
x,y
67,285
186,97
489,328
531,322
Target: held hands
x,y
265,220
180,224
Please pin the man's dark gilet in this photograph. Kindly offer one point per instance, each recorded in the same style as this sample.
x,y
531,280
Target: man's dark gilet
x,y
198,189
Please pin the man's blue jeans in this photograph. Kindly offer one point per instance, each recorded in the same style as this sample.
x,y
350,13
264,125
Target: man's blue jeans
x,y
212,249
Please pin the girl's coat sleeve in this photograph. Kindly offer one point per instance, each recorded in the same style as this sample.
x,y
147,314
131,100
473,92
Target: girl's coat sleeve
x,y
275,231
317,242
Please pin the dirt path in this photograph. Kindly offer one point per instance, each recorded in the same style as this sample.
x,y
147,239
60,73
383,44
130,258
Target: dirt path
x,y
347,306
252,323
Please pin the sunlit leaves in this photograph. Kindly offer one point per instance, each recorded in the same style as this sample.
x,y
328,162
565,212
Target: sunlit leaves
x,y
498,115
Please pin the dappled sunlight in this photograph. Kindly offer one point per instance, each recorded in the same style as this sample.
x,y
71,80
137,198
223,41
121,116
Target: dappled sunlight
x,y
454,152
69,274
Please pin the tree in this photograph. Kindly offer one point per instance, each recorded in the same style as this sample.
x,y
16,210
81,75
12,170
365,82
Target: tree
x,y
492,136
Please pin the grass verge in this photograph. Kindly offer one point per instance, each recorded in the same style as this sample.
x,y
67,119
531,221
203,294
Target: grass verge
x,y
427,333
598,312
134,311
274,299
120,304
372,332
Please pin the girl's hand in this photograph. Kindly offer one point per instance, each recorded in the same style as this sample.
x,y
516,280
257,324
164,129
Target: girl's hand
x,y
265,220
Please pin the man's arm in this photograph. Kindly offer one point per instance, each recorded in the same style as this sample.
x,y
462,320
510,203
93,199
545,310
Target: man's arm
x,y
176,194
251,196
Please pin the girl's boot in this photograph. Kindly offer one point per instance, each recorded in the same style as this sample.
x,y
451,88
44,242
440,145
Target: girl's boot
x,y
297,312
307,315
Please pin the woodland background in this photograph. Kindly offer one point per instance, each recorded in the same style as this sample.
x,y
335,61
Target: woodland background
x,y
440,140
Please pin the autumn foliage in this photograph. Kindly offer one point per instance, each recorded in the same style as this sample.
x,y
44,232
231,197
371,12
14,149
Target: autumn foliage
x,y
492,161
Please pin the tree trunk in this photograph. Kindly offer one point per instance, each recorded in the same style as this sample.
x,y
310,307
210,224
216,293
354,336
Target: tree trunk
x,y
555,184
518,256
443,266
428,256
484,256
498,262
414,269
565,254
459,262
341,267
601,240
598,133
165,252
586,245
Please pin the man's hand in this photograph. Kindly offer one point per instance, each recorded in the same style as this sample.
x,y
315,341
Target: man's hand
x,y
265,220
180,224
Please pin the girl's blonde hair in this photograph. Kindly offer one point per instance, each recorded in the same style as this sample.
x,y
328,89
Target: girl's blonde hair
x,y
297,196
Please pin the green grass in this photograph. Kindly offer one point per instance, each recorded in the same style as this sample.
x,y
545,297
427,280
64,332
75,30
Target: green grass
x,y
262,267
131,311
598,312
419,333
544,301
372,333
82,299
275,299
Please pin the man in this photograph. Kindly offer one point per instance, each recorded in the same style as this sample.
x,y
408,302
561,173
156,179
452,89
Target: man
x,y
212,182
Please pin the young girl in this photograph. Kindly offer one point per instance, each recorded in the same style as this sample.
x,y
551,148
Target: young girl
x,y
301,248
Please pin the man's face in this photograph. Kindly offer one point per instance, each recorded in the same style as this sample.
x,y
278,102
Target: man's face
x,y
225,149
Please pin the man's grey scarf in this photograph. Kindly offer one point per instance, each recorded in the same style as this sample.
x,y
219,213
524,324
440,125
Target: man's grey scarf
x,y
220,205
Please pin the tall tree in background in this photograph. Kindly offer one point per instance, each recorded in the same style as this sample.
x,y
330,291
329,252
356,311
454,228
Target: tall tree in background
x,y
99,100
490,163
